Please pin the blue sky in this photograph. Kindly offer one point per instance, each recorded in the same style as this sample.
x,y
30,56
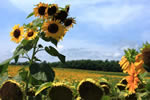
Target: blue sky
x,y
104,27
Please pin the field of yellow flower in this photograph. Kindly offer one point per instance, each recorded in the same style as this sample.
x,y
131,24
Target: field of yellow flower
x,y
71,75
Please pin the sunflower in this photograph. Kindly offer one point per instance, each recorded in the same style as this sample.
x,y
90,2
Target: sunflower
x,y
30,34
40,9
125,64
69,22
146,55
103,81
139,63
61,15
50,11
60,91
123,81
54,30
10,90
106,89
132,79
16,33
121,87
90,90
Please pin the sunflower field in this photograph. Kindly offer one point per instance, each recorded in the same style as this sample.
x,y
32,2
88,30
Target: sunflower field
x,y
38,81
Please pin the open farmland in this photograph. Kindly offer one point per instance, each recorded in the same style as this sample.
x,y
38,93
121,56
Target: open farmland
x,y
71,75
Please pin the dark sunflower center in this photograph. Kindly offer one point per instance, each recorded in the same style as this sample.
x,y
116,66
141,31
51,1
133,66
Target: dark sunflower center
x,y
62,15
30,34
41,10
68,22
16,33
53,28
52,10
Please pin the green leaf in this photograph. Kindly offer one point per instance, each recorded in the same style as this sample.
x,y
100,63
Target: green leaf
x,y
4,67
16,59
3,78
106,97
31,14
148,85
36,59
37,22
143,75
43,87
42,72
23,74
48,39
52,51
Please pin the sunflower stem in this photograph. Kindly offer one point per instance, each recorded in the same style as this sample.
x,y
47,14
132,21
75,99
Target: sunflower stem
x,y
30,63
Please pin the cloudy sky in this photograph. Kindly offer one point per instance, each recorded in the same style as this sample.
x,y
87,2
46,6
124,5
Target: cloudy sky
x,y
104,27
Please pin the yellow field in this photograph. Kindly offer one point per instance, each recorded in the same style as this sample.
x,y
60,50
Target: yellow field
x,y
70,75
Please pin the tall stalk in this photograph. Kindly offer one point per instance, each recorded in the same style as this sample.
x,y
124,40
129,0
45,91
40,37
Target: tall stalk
x,y
30,63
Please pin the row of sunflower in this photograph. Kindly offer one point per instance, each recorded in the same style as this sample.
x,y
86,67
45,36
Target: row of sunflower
x,y
55,23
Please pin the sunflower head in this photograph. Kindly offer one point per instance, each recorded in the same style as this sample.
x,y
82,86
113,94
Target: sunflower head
x,y
123,81
30,34
54,29
40,9
146,53
106,89
51,10
69,22
103,81
10,90
60,91
121,87
61,15
17,33
90,90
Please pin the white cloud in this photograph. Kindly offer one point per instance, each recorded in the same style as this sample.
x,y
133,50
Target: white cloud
x,y
109,16
106,13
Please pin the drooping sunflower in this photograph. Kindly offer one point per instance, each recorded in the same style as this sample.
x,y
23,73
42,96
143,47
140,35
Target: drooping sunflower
x,y
17,33
60,91
121,87
106,89
30,34
51,10
69,22
146,55
132,79
61,15
103,81
11,90
123,81
54,29
40,9
90,90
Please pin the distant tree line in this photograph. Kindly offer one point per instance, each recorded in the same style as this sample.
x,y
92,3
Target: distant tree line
x,y
100,65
